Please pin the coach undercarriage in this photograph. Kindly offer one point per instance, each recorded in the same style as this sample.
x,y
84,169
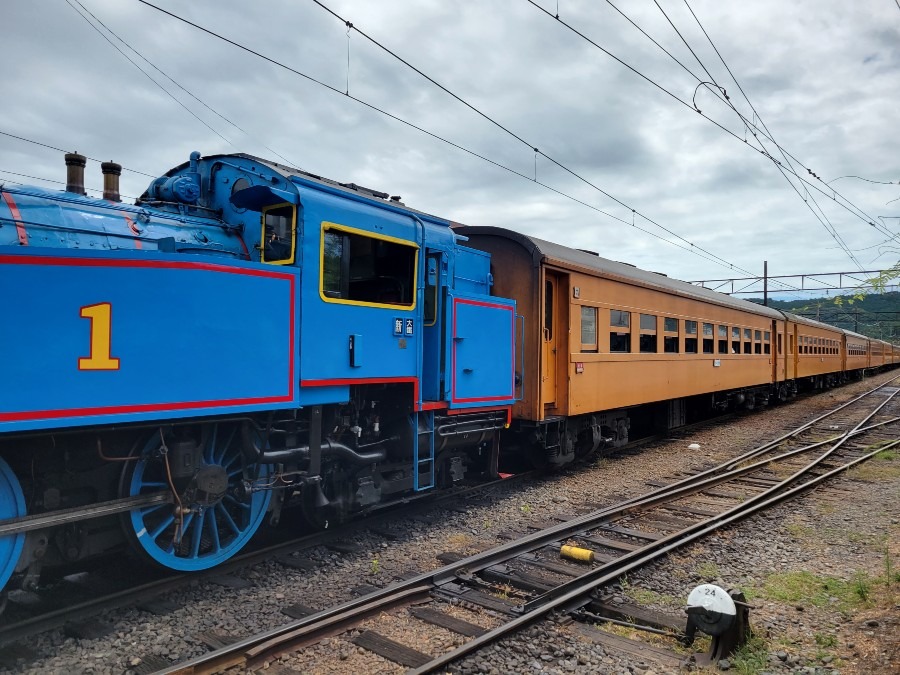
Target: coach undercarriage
x,y
558,440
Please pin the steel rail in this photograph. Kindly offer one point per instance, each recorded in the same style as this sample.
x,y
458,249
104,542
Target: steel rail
x,y
574,597
57,618
677,536
256,648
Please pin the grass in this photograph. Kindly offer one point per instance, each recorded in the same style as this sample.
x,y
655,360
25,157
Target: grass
x,y
806,588
752,658
459,540
875,470
891,575
825,640
799,531
644,596
502,591
708,570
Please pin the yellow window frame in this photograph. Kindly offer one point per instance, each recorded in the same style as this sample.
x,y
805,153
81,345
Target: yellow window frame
x,y
262,239
329,226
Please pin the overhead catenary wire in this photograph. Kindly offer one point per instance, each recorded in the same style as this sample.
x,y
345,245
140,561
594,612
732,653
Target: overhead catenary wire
x,y
499,125
669,93
147,75
180,86
787,156
52,180
690,246
832,230
53,147
823,218
820,216
849,206
868,180
768,134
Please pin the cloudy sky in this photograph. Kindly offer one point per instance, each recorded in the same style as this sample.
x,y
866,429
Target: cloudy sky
x,y
823,76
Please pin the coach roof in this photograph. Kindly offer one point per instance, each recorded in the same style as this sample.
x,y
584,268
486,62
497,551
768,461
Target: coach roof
x,y
570,258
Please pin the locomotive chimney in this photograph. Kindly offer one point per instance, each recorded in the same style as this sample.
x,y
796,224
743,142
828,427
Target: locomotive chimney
x,y
111,173
75,164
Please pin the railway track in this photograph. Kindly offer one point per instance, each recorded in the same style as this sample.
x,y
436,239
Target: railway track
x,y
65,604
525,579
59,605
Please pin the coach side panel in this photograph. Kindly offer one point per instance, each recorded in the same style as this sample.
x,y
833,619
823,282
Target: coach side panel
x,y
633,345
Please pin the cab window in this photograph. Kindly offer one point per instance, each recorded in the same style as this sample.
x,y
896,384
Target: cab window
x,y
278,244
361,268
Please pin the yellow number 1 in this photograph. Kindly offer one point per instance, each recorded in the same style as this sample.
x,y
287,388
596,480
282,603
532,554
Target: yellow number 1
x,y
100,316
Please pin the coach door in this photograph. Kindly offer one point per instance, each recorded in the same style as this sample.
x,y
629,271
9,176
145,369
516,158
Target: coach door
x,y
550,331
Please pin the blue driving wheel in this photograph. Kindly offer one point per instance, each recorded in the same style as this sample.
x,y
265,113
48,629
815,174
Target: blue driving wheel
x,y
205,530
12,505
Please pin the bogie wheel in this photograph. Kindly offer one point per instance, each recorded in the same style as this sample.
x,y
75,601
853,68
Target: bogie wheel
x,y
12,505
202,529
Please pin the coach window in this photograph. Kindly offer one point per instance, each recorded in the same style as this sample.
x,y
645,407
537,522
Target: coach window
x,y
779,344
757,345
748,344
360,268
619,341
708,342
588,329
648,334
690,342
735,340
723,339
670,339
279,243
767,342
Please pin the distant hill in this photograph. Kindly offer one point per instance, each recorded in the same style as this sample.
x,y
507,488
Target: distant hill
x,y
876,315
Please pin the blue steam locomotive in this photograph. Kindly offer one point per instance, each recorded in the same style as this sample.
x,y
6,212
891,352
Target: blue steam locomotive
x,y
245,337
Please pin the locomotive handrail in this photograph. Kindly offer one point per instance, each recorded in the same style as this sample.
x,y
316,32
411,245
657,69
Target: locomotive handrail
x,y
521,360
